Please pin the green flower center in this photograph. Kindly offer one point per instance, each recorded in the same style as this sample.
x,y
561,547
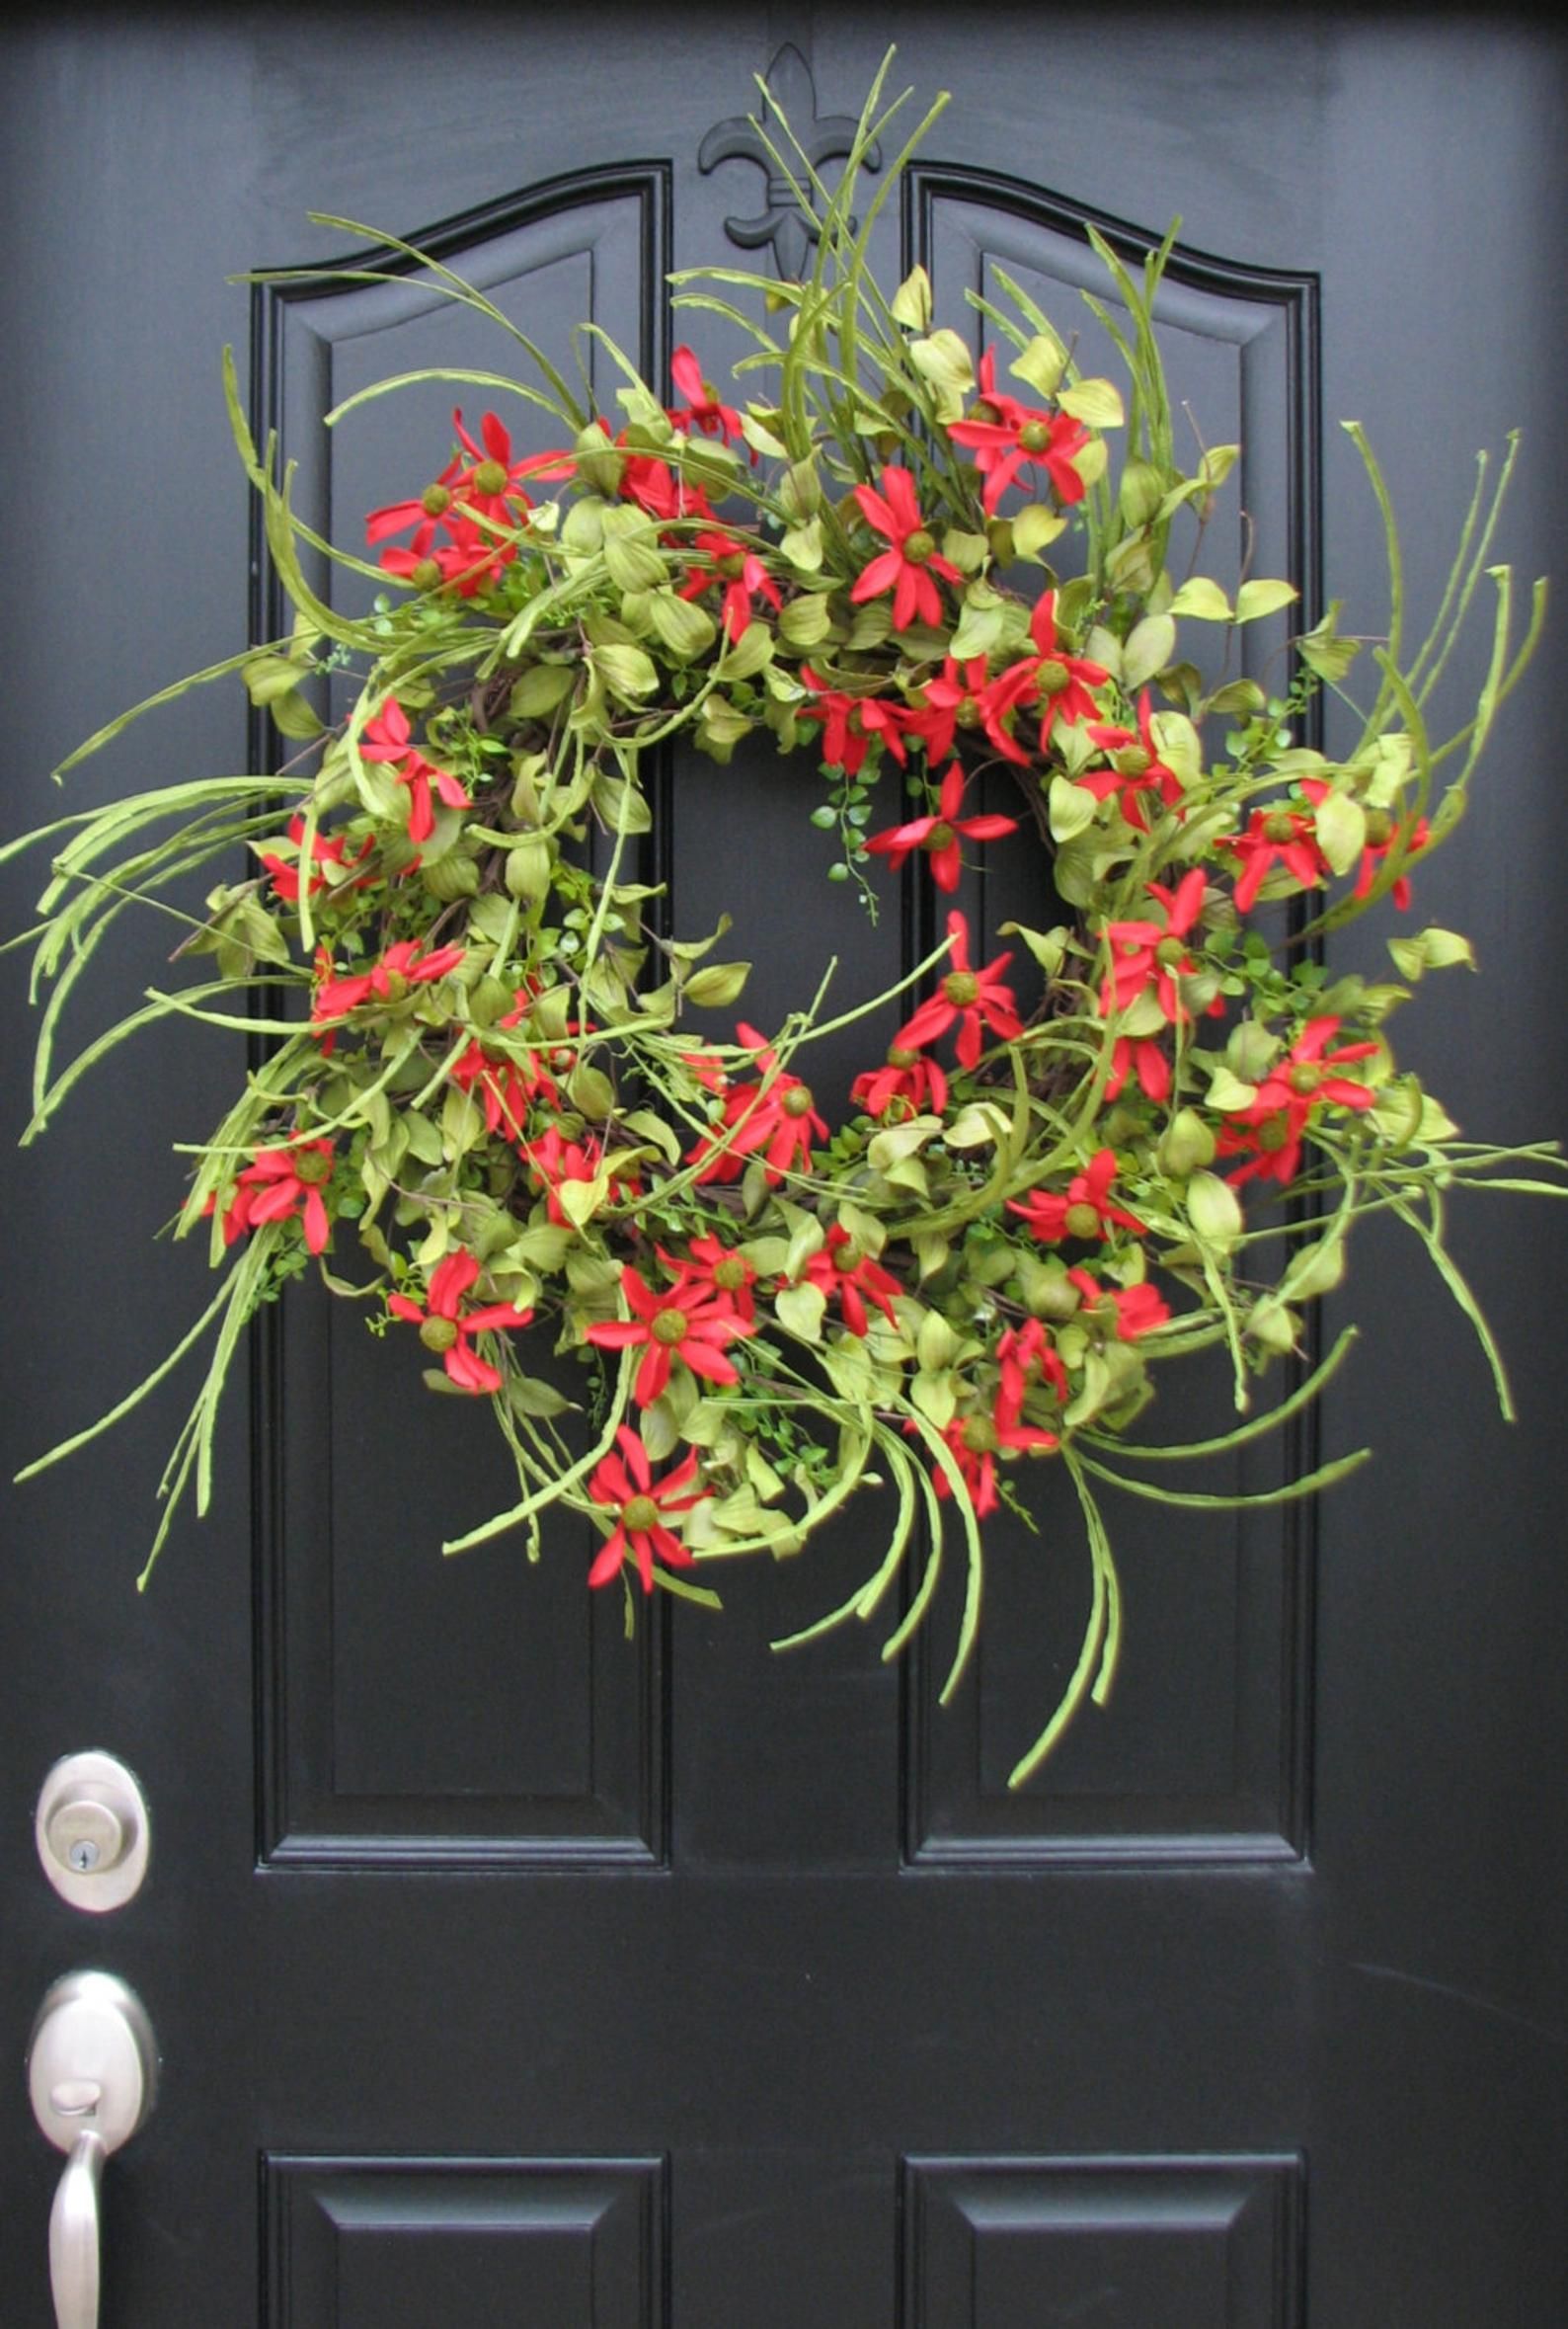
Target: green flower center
x,y
438,1335
918,546
1133,761
979,1435
490,478
731,1275
900,1057
1034,437
426,576
968,714
312,1166
940,836
1380,828
671,1326
1273,1133
1082,1221
962,989
1170,954
730,566
798,1101
436,501
1305,1078
641,1513
1052,677
397,986
1278,827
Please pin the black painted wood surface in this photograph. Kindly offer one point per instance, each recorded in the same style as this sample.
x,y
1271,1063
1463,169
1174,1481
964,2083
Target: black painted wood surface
x,y
508,1974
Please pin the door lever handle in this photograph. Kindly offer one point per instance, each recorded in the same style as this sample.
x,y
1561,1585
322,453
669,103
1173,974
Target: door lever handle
x,y
92,2070
74,2269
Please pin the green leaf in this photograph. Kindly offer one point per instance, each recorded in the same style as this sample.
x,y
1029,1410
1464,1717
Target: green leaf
x,y
912,302
1257,599
1214,1211
980,625
686,629
1149,646
717,984
540,688
530,1395
1097,403
1072,809
625,670
802,546
944,363
1340,824
1202,600
800,1310
1034,529
1042,364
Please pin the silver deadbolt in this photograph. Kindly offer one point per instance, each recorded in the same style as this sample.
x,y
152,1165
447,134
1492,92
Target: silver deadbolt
x,y
92,1831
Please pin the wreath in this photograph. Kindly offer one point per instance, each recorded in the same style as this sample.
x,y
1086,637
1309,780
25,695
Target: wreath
x,y
1141,1130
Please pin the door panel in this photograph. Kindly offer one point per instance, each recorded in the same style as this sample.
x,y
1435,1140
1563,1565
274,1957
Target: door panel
x,y
506,1970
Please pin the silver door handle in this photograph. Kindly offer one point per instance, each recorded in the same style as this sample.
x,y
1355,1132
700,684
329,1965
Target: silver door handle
x,y
73,2235
92,2071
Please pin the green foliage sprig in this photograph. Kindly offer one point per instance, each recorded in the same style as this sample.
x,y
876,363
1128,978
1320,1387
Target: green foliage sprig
x,y
907,569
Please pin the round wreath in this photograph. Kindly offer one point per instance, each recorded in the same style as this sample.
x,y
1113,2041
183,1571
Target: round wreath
x,y
1141,1129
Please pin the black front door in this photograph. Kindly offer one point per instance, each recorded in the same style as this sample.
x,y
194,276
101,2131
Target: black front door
x,y
502,1971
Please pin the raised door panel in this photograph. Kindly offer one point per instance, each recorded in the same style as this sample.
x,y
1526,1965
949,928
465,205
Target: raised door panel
x,y
415,1711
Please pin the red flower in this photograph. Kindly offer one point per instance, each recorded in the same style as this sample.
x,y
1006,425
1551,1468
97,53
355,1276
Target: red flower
x,y
1006,435
625,1484
850,724
702,409
970,998
504,1086
962,698
1137,768
556,1160
1276,1119
779,1118
401,967
907,566
975,1440
388,737
1383,835
1081,1210
328,849
940,833
447,1330
492,484
1140,1057
906,1077
1062,682
278,1184
1150,954
1023,1354
430,510
489,486
1128,1311
723,558
1276,836
655,487
716,1274
669,1326
463,564
842,1268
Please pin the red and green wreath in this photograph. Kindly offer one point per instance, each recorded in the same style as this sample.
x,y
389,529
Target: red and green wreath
x,y
705,1312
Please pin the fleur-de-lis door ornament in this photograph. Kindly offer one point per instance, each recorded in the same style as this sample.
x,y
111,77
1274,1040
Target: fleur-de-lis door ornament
x,y
792,95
